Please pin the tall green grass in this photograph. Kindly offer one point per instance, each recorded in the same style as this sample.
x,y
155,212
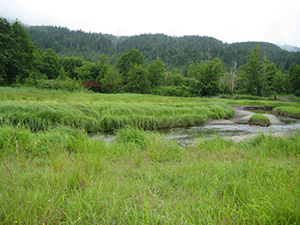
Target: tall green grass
x,y
259,120
51,172
289,111
141,178
124,111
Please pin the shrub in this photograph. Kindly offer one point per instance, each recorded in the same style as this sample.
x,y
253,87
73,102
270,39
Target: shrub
x,y
68,85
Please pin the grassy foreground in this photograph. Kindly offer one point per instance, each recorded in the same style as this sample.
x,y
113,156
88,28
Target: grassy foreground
x,y
60,176
51,172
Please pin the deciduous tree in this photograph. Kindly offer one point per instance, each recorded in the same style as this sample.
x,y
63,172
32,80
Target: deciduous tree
x,y
113,81
138,80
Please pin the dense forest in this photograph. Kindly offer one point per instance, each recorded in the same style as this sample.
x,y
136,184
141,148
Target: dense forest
x,y
175,52
58,58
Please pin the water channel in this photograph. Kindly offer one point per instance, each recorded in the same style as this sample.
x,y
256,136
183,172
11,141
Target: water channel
x,y
235,132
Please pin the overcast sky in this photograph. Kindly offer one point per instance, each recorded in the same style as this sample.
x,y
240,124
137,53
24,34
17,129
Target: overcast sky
x,y
227,20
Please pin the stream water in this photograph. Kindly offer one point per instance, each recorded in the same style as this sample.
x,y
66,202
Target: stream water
x,y
232,131
235,132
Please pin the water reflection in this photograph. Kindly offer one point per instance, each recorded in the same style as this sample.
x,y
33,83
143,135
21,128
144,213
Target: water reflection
x,y
228,130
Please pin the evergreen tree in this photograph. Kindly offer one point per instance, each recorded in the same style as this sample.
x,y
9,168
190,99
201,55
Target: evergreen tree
x,y
16,52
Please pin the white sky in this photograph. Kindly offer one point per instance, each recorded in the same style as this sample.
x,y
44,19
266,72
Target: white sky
x,y
227,20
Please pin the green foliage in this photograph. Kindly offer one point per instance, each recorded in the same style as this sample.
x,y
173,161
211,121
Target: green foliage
x,y
16,53
180,91
20,140
281,83
255,74
175,52
138,80
106,112
128,60
70,64
259,120
157,72
132,136
205,77
62,76
60,175
288,111
50,64
258,73
113,81
91,71
63,177
294,74
67,85
174,78
249,97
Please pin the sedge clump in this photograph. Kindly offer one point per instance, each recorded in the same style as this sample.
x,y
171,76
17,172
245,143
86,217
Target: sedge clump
x,y
259,120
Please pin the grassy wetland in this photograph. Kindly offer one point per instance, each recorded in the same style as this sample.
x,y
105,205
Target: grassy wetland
x,y
51,172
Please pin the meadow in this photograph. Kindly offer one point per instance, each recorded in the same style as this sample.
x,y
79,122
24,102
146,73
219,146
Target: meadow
x,y
52,172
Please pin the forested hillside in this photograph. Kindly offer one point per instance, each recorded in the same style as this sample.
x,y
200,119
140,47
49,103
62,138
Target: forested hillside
x,y
175,52
57,58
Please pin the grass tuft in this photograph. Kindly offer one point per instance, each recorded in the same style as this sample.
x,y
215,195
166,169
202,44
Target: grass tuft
x,y
259,120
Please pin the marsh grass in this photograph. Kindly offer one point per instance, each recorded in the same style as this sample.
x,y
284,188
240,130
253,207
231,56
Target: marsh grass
x,y
124,111
288,111
51,172
259,120
60,176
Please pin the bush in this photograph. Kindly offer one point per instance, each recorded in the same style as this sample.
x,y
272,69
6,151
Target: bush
x,y
249,97
180,91
68,85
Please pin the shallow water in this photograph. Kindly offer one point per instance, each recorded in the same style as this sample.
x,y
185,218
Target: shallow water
x,y
182,134
233,131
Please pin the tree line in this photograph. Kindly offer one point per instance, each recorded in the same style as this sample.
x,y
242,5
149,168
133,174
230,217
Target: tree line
x,y
24,64
176,52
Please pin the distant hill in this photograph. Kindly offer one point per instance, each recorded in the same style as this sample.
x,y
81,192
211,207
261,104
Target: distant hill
x,y
176,52
290,48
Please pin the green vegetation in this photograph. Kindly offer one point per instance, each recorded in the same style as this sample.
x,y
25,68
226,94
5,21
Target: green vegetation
x,y
259,120
175,52
148,64
101,115
288,111
61,176
52,172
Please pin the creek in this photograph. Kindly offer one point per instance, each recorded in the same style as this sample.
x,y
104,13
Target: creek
x,y
236,129
235,132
